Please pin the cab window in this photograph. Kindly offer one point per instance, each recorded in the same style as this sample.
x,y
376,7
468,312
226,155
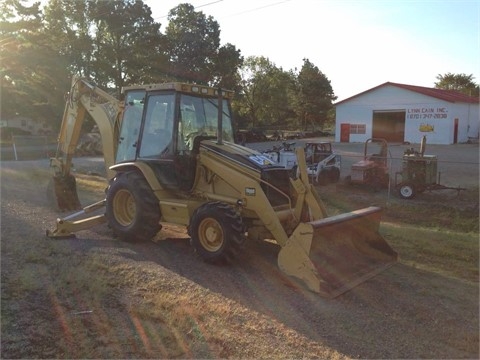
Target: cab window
x,y
156,139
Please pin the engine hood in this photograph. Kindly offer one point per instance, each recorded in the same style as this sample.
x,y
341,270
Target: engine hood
x,y
246,156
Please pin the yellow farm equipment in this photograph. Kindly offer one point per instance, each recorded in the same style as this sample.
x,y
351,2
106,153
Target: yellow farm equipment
x,y
171,157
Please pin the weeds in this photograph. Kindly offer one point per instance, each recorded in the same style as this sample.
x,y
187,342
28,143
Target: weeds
x,y
450,253
437,211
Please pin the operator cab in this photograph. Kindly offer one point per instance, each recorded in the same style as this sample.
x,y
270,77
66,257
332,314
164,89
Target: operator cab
x,y
317,151
164,124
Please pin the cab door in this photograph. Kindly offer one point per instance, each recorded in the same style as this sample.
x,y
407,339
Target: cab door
x,y
130,126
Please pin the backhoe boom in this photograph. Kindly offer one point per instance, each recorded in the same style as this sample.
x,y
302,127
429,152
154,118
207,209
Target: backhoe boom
x,y
82,100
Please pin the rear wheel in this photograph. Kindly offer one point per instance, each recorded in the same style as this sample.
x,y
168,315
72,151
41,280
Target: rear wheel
x,y
324,177
334,175
132,208
216,231
406,191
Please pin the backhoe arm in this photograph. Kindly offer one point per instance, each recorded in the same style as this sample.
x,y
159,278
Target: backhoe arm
x,y
83,98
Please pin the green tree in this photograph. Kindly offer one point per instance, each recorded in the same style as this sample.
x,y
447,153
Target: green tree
x,y
68,26
313,98
228,61
458,82
112,42
264,95
128,45
32,73
193,40
194,49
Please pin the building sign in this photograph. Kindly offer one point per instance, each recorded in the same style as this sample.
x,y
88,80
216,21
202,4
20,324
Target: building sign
x,y
427,113
426,127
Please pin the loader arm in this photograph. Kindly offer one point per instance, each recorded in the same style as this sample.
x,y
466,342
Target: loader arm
x,y
245,182
329,254
83,98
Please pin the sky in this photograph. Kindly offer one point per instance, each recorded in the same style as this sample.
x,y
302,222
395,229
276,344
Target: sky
x,y
356,44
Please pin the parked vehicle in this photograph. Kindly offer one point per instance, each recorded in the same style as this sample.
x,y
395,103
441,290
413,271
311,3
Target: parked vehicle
x,y
323,163
372,170
170,157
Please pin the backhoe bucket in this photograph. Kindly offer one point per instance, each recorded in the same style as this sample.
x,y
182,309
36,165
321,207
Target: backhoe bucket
x,y
65,193
335,254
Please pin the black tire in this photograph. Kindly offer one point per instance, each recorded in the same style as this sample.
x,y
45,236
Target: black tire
x,y
406,191
323,177
132,210
334,175
216,231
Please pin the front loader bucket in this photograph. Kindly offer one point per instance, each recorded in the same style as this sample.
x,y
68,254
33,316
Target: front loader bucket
x,y
64,193
335,254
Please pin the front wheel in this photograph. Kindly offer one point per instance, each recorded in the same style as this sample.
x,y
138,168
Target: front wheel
x,y
216,231
406,191
334,175
323,177
132,209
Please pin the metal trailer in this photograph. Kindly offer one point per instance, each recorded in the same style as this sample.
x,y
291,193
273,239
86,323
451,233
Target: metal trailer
x,y
419,173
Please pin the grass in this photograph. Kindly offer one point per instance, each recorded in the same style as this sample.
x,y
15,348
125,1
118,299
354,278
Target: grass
x,y
435,215
459,214
450,253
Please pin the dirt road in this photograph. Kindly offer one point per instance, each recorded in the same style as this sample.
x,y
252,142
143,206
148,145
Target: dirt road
x,y
87,297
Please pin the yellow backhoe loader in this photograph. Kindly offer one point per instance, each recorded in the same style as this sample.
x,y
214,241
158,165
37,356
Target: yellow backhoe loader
x,y
170,156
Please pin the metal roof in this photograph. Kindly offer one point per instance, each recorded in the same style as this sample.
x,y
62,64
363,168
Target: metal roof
x,y
452,96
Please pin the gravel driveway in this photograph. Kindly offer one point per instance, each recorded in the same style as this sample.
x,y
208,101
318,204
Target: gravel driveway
x,y
97,297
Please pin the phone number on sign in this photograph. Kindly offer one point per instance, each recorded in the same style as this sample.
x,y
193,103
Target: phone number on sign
x,y
427,116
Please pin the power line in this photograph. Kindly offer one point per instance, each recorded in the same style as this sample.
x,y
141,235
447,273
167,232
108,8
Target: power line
x,y
235,14
196,7
257,8
210,3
